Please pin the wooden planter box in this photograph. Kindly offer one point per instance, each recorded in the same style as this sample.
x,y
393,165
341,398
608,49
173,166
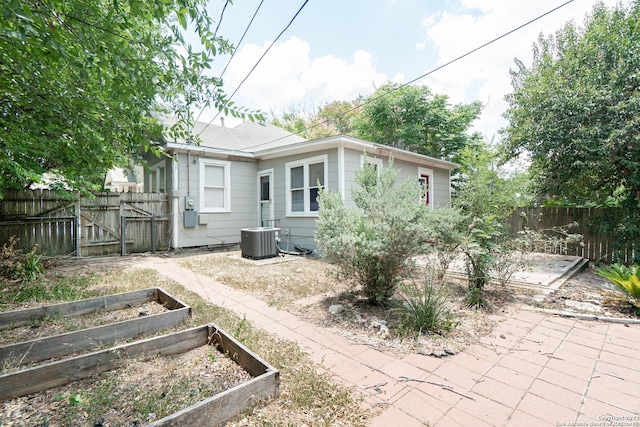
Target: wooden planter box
x,y
215,410
39,349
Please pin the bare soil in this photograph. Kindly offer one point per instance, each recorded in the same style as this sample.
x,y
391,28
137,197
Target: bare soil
x,y
589,293
308,287
136,394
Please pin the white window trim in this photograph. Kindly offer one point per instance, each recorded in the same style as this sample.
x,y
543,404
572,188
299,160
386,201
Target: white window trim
x,y
154,176
324,159
372,161
227,189
429,173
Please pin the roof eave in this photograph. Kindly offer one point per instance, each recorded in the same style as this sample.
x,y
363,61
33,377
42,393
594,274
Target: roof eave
x,y
220,152
355,143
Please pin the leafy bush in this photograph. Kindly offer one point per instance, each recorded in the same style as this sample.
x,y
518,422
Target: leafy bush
x,y
444,247
31,267
372,242
424,308
485,238
626,279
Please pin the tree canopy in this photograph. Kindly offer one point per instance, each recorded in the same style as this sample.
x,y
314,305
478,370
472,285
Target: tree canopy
x,y
415,119
407,117
576,111
80,83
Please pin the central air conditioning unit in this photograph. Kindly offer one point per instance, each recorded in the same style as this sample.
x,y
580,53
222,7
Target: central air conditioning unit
x,y
259,242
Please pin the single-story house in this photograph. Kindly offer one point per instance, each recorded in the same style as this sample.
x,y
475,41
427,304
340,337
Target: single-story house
x,y
257,174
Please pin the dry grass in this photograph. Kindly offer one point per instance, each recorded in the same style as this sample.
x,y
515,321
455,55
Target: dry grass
x,y
307,286
278,281
306,396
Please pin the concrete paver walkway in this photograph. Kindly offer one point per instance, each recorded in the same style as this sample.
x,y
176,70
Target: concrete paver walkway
x,y
535,369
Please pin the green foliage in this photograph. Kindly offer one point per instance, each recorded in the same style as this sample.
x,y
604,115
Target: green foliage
x,y
446,224
333,118
415,119
80,82
424,308
484,238
371,242
483,187
31,268
575,111
626,279
409,117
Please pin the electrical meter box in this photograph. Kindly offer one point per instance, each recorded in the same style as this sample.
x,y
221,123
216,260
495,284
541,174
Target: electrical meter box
x,y
190,219
189,203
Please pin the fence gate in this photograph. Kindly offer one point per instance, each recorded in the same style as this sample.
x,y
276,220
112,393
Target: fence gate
x,y
105,224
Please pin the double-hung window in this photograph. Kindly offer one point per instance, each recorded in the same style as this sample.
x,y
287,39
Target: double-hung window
x,y
158,178
215,186
304,179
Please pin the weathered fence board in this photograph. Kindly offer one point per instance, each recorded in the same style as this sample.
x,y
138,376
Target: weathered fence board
x,y
43,348
597,244
212,411
85,226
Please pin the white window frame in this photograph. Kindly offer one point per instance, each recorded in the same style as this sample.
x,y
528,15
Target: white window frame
x,y
427,172
155,175
227,187
372,161
307,212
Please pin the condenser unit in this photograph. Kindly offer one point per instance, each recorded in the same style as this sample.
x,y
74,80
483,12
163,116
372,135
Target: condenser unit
x,y
258,242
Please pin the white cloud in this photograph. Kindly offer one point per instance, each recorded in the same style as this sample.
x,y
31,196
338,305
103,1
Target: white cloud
x,y
288,76
484,75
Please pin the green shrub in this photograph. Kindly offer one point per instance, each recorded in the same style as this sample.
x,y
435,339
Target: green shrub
x,y
484,239
626,279
372,242
31,267
424,308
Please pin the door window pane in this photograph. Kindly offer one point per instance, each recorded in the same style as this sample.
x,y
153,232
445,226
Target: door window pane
x,y
264,188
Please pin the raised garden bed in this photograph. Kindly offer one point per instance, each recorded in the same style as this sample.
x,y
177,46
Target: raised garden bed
x,y
63,345
212,410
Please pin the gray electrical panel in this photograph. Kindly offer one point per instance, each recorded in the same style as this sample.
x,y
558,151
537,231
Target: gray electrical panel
x,y
190,219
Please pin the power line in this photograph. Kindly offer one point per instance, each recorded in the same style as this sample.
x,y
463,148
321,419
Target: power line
x,y
369,101
215,33
236,49
256,64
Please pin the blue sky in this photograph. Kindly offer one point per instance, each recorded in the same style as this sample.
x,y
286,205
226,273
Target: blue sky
x,y
336,50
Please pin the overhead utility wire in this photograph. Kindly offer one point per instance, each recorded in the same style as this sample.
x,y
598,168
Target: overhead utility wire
x,y
235,50
369,101
215,33
256,64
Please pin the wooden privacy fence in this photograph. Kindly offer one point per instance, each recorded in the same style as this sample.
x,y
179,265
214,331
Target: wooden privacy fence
x,y
596,245
105,224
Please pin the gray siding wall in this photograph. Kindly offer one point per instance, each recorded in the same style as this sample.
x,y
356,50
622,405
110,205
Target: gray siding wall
x,y
301,229
215,228
406,170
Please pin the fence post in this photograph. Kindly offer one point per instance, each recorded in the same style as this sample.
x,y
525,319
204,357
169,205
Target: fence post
x,y
78,228
153,234
123,241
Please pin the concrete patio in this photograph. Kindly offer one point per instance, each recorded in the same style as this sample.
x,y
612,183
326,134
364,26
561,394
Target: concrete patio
x,y
535,369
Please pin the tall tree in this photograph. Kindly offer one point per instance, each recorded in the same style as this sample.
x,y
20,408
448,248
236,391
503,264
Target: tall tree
x,y
576,110
80,81
413,118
